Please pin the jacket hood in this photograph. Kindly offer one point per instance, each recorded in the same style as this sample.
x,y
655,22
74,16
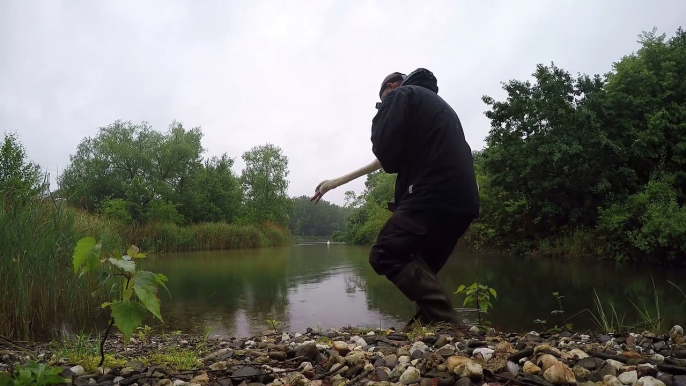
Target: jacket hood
x,y
423,78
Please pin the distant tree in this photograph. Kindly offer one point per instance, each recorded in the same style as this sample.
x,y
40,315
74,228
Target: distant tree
x,y
265,185
322,219
18,175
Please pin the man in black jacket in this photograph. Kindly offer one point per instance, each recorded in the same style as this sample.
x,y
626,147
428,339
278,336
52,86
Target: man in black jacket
x,y
417,135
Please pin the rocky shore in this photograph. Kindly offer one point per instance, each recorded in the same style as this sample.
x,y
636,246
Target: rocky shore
x,y
346,357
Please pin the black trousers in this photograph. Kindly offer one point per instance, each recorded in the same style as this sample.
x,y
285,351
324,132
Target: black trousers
x,y
408,234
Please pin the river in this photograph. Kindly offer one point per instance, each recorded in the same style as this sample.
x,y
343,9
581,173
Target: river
x,y
235,293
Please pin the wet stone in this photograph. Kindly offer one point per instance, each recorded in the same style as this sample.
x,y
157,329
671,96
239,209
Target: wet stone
x,y
246,372
604,338
463,382
588,363
396,336
441,341
430,339
354,371
380,375
667,379
445,352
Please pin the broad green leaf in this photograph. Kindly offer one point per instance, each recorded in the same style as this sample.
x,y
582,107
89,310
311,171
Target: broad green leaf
x,y
161,279
467,300
126,266
83,252
127,291
495,295
484,307
139,255
144,285
6,381
117,254
460,288
104,305
127,315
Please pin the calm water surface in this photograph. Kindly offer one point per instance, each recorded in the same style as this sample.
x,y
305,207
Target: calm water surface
x,y
234,293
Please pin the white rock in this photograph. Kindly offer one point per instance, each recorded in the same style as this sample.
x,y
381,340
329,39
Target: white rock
x,y
485,352
371,333
628,378
616,364
305,366
322,347
649,381
410,374
611,380
118,379
249,343
177,382
474,329
584,337
368,367
404,359
658,357
421,346
534,333
470,370
578,354
414,362
298,335
285,337
359,341
77,370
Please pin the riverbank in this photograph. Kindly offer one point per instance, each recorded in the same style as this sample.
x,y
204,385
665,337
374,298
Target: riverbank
x,y
37,239
349,356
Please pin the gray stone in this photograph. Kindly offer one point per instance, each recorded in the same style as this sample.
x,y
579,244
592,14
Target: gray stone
x,y
246,372
309,350
587,363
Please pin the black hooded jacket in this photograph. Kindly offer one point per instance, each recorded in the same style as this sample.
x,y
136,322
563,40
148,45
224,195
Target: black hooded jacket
x,y
417,135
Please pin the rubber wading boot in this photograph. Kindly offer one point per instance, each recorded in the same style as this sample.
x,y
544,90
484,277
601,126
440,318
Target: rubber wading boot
x,y
419,284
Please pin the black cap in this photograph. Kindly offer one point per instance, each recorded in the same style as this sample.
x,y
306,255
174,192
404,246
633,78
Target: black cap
x,y
392,78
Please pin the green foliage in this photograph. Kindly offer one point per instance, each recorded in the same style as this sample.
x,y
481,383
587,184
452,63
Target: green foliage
x,y
139,291
650,222
265,185
323,219
479,296
34,374
134,173
18,175
367,213
589,165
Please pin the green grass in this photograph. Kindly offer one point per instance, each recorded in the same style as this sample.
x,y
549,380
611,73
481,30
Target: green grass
x,y
37,239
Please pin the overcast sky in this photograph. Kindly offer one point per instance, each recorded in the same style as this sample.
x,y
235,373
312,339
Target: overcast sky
x,y
303,75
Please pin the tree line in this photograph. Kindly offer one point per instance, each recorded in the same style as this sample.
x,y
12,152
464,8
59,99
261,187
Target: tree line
x,y
577,165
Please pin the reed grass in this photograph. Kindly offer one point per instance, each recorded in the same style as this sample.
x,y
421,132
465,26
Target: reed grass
x,y
37,239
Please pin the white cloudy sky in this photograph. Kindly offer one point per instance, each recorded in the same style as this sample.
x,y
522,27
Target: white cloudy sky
x,y
303,75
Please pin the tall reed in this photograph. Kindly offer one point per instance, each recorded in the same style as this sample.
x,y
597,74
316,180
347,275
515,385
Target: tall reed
x,y
37,239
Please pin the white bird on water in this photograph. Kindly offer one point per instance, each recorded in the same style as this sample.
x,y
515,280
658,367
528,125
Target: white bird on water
x,y
328,242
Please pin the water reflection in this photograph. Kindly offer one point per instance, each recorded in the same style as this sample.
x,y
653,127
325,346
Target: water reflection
x,y
235,292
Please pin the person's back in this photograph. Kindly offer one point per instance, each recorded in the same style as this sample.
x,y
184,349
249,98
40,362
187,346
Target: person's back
x,y
419,136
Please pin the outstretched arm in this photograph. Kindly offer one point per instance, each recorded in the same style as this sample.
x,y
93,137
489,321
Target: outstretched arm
x,y
327,185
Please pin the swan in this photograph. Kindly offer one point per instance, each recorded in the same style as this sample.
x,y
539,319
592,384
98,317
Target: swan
x,y
327,185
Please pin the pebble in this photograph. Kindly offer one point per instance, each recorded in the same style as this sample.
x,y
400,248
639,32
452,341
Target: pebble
x,y
389,358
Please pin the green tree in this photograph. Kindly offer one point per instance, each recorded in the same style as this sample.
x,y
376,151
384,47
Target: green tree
x,y
322,219
18,175
212,192
134,163
265,185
